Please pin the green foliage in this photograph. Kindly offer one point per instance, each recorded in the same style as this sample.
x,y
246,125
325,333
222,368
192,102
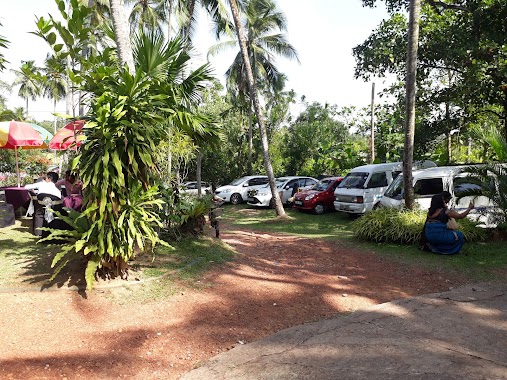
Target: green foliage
x,y
128,115
462,65
315,143
4,43
404,226
182,214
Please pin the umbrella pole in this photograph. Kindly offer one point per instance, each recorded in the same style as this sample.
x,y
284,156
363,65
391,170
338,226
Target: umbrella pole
x,y
17,165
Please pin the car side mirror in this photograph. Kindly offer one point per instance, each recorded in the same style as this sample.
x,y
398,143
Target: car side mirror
x,y
245,184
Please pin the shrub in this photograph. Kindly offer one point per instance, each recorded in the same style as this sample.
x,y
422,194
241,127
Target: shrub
x,y
404,226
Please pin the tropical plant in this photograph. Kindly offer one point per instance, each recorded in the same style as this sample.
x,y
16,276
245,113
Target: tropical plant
x,y
4,44
28,79
260,21
491,178
54,84
146,14
404,226
127,118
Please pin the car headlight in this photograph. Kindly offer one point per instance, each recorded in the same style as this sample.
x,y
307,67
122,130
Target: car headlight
x,y
310,196
262,194
225,191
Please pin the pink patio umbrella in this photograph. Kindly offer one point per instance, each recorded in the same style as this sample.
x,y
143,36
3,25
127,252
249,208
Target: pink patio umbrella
x,y
18,134
68,136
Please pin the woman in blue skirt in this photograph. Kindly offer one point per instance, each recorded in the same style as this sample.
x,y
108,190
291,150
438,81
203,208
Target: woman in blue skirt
x,y
440,239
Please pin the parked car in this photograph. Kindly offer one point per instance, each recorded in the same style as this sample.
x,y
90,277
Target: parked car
x,y
286,186
432,181
237,191
191,187
319,198
364,186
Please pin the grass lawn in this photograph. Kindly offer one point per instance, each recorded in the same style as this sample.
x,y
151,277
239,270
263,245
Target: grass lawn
x,y
479,261
25,263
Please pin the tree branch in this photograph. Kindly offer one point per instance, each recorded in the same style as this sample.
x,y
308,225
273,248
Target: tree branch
x,y
499,115
425,65
436,4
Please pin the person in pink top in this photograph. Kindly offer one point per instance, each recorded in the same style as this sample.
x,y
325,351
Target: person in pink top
x,y
73,189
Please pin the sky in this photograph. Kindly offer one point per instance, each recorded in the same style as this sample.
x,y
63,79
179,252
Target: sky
x,y
322,31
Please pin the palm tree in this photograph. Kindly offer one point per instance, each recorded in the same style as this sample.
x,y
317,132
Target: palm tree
x,y
4,43
54,82
260,19
408,151
149,14
122,36
28,78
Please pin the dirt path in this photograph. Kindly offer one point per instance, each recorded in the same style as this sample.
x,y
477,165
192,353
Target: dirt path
x,y
275,282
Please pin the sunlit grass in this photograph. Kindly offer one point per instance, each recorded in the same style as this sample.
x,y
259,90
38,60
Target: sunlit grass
x,y
330,225
477,260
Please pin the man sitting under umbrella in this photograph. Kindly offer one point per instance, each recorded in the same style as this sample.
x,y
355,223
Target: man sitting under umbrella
x,y
48,186
48,199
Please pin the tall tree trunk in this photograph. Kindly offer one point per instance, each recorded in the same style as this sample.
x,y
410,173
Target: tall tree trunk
x,y
372,124
198,172
121,34
408,151
449,148
253,95
250,138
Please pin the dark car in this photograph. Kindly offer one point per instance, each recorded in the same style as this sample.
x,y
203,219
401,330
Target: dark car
x,y
319,198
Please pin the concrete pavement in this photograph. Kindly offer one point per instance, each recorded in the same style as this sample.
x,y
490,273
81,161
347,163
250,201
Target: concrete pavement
x,y
459,334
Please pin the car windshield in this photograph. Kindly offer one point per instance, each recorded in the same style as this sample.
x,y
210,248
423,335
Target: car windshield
x,y
279,182
395,189
322,185
354,180
237,182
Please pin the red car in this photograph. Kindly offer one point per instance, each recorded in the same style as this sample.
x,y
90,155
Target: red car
x,y
319,198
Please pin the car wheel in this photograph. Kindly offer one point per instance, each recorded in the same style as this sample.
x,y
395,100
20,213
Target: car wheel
x,y
319,208
236,199
377,206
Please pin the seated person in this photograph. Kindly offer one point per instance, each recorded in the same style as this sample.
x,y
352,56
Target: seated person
x,y
48,186
436,235
73,191
42,217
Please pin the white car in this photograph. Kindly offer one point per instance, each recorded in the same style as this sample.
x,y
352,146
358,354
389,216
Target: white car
x,y
191,188
286,186
236,192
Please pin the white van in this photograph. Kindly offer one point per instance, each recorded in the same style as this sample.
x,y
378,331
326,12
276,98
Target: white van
x,y
364,186
237,191
435,180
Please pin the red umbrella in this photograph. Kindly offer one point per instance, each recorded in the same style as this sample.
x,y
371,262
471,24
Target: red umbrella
x,y
67,136
18,134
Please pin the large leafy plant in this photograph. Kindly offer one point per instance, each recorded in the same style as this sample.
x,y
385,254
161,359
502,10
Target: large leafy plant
x,y
491,178
403,226
127,120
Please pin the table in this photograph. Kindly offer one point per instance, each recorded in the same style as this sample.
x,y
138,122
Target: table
x,y
17,197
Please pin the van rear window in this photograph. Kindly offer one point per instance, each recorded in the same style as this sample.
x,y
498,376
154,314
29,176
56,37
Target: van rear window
x,y
354,180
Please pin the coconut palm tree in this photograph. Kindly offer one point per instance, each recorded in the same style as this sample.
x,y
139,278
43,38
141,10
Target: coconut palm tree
x,y
260,21
54,83
122,36
28,80
3,44
149,14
